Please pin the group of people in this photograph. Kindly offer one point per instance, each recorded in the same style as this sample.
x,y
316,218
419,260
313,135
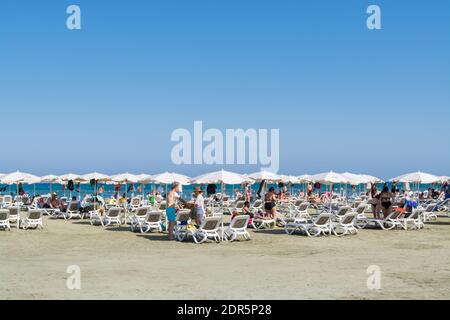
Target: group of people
x,y
384,201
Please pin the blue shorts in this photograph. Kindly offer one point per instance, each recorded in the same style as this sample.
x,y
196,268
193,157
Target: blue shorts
x,y
171,214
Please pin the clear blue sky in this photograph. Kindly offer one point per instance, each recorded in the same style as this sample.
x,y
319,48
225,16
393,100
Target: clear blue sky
x,y
107,97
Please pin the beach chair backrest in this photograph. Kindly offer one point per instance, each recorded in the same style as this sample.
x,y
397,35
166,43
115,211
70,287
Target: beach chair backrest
x,y
342,211
211,223
393,215
135,202
323,219
349,218
13,211
257,203
34,214
153,216
183,215
430,207
7,199
239,222
298,202
4,215
239,205
361,208
303,206
414,215
114,212
162,205
142,211
73,206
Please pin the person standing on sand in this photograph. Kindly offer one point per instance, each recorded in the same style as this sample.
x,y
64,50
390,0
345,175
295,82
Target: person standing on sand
x,y
171,208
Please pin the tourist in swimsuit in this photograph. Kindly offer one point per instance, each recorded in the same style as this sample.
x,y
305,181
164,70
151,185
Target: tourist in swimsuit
x,y
171,208
386,201
375,201
270,203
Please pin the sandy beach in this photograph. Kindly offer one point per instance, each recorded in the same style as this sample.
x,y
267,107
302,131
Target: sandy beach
x,y
116,263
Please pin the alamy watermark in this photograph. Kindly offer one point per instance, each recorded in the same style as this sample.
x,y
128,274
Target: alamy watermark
x,y
73,22
73,282
374,279
235,146
374,20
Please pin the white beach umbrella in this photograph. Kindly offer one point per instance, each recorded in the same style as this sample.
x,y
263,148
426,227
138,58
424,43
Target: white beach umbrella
x,y
125,178
371,179
72,176
20,177
145,178
265,175
304,178
329,178
417,177
170,177
97,177
289,179
354,179
219,177
51,178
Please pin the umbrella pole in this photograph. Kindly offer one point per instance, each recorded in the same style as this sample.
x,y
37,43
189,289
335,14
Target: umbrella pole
x,y
221,201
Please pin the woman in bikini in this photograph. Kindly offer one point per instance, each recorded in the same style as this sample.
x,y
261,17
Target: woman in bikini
x,y
270,203
386,201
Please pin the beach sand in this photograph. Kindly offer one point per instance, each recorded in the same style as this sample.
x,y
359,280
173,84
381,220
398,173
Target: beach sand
x,y
118,264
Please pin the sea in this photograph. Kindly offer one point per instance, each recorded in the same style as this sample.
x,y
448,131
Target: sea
x,y
107,190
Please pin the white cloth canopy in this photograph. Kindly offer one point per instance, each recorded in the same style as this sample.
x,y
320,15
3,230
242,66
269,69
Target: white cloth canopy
x,y
145,178
125,178
221,176
304,178
371,179
289,179
72,176
170,177
96,176
19,177
355,179
329,178
51,178
417,177
265,175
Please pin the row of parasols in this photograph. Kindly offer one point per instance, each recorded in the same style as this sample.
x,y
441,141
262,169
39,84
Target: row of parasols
x,y
219,177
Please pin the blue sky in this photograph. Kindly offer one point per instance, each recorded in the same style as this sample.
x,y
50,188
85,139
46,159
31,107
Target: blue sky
x,y
107,97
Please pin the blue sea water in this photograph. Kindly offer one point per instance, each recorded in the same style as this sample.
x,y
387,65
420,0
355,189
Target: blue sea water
x,y
108,189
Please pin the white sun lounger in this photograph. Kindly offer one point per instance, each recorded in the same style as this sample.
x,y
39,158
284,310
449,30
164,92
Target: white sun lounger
x,y
14,214
237,227
209,230
345,225
112,216
33,219
313,228
151,222
428,213
138,217
4,219
72,211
